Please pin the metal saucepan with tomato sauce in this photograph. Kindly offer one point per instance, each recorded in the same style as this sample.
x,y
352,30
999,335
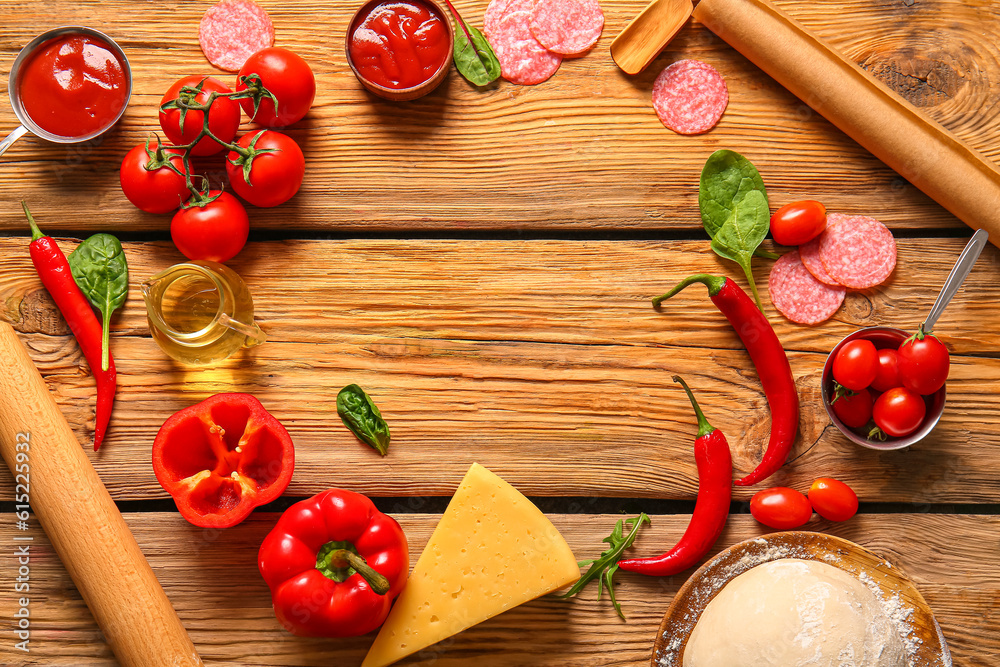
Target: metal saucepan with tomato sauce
x,y
69,84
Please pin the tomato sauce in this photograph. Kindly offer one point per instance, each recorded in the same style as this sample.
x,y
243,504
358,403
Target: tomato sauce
x,y
400,44
72,86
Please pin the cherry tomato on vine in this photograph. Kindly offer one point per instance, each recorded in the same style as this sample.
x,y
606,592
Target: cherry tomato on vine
x,y
780,507
158,190
887,376
215,231
798,222
856,364
288,77
273,177
923,363
899,412
854,411
223,117
832,499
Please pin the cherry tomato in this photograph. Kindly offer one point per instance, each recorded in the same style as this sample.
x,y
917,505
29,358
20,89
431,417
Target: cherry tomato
x,y
780,507
216,231
856,364
158,191
274,177
833,500
289,79
798,222
899,412
887,376
223,117
923,364
854,411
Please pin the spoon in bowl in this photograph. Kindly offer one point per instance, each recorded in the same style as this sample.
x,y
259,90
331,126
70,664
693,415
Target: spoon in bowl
x,y
966,260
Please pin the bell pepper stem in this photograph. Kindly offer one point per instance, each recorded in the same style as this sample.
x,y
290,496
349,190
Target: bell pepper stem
x,y
378,583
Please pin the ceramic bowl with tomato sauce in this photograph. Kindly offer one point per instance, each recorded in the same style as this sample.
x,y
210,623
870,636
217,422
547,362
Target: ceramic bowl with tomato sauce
x,y
881,338
70,84
400,49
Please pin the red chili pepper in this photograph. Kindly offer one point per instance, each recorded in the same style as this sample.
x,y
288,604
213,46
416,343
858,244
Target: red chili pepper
x,y
715,483
334,565
221,458
770,361
53,269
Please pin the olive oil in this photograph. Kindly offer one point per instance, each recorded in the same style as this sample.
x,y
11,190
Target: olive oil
x,y
200,312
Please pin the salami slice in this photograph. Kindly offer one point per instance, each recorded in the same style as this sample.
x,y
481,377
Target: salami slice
x,y
857,251
522,59
232,31
798,295
690,96
494,12
809,254
567,27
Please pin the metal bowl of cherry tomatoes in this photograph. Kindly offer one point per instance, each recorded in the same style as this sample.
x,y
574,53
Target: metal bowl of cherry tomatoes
x,y
884,411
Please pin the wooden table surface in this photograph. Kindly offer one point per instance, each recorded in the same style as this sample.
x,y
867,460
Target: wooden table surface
x,y
481,261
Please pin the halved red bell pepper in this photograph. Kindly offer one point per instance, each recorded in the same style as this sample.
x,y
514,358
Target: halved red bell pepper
x,y
334,564
221,458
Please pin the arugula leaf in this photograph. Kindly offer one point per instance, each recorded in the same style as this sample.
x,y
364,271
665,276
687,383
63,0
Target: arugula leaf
x,y
101,272
604,568
475,60
734,210
360,414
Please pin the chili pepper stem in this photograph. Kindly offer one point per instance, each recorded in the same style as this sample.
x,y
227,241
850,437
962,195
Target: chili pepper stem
x,y
713,283
378,583
704,428
36,233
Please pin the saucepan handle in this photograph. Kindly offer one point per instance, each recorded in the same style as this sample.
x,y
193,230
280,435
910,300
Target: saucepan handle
x,y
9,140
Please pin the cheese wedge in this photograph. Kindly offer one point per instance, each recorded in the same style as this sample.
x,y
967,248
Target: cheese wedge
x,y
492,551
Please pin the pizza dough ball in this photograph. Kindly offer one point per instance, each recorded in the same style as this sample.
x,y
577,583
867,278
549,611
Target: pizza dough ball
x,y
795,613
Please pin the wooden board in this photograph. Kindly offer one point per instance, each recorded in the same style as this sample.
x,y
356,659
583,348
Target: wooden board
x,y
532,358
581,151
212,579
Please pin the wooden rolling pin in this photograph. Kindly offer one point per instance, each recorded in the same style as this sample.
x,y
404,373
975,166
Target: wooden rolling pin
x,y
921,150
82,522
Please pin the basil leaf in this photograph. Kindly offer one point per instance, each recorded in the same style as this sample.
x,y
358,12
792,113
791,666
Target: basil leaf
x,y
475,60
360,414
101,272
739,235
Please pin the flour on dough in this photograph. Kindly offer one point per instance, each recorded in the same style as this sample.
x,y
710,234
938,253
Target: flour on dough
x,y
795,613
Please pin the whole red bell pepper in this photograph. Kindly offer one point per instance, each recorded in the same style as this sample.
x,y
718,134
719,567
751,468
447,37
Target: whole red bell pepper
x,y
334,564
221,458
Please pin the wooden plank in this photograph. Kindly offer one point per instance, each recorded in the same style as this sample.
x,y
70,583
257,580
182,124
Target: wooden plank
x,y
542,360
581,151
212,580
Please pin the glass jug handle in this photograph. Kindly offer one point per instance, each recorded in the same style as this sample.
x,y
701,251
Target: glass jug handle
x,y
253,332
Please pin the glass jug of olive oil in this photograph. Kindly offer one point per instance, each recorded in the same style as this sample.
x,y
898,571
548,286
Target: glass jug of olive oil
x,y
200,312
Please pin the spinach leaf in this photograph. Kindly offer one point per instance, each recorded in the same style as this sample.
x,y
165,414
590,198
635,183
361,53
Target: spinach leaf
x,y
101,272
734,209
725,179
740,235
360,414
475,59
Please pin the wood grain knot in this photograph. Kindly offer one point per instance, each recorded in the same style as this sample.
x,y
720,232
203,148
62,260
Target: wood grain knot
x,y
922,81
39,314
